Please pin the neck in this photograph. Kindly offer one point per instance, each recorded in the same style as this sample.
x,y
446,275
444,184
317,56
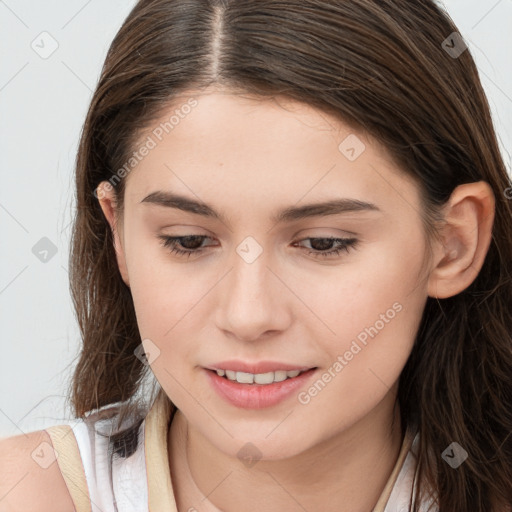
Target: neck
x,y
347,471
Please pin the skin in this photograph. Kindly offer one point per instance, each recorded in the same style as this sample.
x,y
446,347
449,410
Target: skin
x,y
248,159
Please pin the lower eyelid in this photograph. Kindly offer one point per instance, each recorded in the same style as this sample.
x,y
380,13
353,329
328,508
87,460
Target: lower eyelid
x,y
177,238
171,243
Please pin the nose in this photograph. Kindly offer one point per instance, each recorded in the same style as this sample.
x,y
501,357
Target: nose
x,y
253,301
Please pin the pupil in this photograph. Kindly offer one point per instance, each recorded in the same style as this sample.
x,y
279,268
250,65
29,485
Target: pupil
x,y
185,242
321,243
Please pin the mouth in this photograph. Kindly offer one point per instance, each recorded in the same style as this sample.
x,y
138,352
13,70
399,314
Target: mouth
x,y
260,379
258,395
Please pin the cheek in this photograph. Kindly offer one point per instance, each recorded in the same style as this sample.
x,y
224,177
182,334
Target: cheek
x,y
372,309
164,306
164,301
353,295
161,292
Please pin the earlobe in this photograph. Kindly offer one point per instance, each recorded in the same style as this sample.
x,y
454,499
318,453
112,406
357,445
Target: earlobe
x,y
466,237
106,197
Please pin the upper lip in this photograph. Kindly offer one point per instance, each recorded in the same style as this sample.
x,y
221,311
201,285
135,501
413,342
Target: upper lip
x,y
259,367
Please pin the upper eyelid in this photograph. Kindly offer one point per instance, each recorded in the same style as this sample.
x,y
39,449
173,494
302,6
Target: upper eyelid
x,y
307,229
297,239
301,237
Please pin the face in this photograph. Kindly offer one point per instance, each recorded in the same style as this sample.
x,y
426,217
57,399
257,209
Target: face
x,y
335,289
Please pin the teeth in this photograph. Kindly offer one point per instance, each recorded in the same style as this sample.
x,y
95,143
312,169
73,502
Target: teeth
x,y
258,378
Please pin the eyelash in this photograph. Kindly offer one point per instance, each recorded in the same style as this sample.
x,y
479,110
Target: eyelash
x,y
170,242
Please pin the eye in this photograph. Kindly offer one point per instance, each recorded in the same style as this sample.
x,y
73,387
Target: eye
x,y
192,245
344,244
171,242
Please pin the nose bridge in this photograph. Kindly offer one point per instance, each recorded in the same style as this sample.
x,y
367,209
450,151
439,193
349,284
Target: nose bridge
x,y
250,277
250,274
249,305
250,280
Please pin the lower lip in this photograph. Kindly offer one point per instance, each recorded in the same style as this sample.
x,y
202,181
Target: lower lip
x,y
257,396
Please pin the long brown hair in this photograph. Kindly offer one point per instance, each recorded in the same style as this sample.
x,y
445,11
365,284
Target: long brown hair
x,y
379,65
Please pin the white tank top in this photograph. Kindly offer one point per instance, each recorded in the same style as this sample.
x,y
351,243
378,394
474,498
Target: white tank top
x,y
142,482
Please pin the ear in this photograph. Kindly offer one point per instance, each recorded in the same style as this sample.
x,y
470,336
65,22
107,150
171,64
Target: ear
x,y
106,197
466,235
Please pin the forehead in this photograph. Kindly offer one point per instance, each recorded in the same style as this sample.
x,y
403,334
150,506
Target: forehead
x,y
225,146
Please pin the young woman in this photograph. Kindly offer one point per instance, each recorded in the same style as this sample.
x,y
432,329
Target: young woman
x,y
295,217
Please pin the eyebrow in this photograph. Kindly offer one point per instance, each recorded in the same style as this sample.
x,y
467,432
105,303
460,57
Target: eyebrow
x,y
332,207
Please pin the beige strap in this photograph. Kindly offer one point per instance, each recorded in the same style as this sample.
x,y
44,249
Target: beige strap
x,y
160,492
386,493
70,464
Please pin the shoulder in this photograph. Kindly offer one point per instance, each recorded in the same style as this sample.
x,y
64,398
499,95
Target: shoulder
x,y
28,470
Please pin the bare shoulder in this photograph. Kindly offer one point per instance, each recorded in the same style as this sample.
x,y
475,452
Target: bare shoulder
x,y
30,478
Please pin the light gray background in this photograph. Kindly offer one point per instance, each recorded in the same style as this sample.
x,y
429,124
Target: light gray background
x,y
43,103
